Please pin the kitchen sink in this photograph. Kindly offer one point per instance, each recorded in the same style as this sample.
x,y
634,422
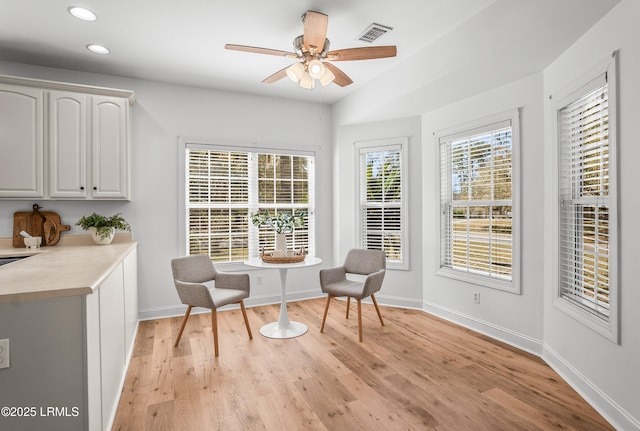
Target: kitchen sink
x,y
6,260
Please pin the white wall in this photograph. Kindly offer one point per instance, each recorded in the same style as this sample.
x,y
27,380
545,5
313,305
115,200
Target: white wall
x,y
400,287
606,373
163,113
507,316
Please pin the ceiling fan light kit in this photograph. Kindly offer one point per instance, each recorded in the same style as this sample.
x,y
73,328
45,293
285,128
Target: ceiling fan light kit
x,y
327,77
295,72
307,81
312,51
316,69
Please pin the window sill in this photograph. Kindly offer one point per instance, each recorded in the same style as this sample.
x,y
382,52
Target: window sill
x,y
480,280
397,265
606,329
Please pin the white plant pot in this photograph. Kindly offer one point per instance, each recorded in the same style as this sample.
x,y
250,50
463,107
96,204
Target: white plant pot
x,y
281,245
102,241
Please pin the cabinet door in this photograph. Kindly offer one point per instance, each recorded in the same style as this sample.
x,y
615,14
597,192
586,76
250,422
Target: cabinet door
x,y
112,343
21,142
67,145
130,265
110,148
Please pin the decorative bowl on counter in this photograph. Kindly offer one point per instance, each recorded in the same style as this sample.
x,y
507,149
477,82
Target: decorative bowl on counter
x,y
33,242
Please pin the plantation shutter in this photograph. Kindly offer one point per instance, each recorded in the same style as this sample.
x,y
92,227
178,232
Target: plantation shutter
x,y
476,201
218,204
225,186
381,205
585,199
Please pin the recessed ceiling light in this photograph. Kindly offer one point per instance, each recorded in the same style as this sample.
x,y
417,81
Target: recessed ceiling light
x,y
98,49
82,13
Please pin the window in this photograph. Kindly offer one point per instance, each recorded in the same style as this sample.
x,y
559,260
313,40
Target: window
x,y
224,186
382,199
478,176
587,263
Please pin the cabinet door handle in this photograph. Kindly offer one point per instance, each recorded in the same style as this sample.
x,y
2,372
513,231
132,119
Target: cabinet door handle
x,y
81,187
95,188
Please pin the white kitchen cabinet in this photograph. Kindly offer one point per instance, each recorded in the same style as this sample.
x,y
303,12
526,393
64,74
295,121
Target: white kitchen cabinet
x,y
100,170
112,343
67,115
64,141
110,148
21,142
113,320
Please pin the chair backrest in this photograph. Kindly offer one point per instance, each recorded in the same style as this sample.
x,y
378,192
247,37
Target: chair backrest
x,y
365,262
196,268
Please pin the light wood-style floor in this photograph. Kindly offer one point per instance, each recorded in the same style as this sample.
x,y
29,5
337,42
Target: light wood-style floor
x,y
417,372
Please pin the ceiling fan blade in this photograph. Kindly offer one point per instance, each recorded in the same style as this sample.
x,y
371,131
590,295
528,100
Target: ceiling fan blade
x,y
341,78
364,53
315,30
276,76
258,50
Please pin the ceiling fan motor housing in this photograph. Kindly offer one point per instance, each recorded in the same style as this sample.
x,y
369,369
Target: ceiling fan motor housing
x,y
298,45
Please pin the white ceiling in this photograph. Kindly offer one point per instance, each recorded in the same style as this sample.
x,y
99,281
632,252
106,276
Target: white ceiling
x,y
183,41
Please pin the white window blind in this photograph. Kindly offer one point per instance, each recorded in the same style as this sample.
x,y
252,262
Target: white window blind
x,y
224,187
382,204
587,202
477,211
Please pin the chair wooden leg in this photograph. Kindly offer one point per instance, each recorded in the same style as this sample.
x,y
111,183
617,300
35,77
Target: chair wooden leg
x,y
326,309
246,321
359,319
184,323
375,303
348,304
214,329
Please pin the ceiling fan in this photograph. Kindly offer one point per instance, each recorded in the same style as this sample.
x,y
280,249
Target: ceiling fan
x,y
312,49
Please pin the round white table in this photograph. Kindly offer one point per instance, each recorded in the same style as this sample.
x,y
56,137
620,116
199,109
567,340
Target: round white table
x,y
283,328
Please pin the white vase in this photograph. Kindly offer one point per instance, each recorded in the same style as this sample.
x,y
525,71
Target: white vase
x,y
102,241
281,244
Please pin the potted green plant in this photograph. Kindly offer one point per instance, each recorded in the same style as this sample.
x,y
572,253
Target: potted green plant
x,y
103,228
282,223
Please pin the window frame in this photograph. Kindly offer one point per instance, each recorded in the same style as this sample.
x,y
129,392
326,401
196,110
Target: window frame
x,y
374,146
183,162
604,71
470,129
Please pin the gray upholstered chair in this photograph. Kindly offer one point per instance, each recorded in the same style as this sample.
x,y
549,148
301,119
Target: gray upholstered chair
x,y
334,282
199,284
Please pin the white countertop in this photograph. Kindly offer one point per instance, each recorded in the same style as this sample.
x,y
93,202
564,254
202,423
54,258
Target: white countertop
x,y
72,267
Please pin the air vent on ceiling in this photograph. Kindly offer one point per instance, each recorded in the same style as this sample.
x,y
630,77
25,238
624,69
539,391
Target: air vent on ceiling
x,y
373,32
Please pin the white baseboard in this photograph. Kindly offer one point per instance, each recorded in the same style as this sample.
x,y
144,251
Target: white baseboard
x,y
396,301
513,338
253,301
609,409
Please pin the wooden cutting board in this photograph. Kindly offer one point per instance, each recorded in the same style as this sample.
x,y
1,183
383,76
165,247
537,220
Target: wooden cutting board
x,y
46,224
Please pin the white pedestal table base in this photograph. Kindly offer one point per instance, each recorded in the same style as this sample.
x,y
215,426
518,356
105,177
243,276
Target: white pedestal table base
x,y
284,328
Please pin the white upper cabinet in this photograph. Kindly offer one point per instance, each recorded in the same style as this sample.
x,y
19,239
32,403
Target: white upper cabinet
x,y
67,145
110,148
21,142
64,141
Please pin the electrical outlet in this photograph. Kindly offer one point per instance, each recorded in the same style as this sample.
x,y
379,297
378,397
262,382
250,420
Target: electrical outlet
x,y
259,279
476,297
4,353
